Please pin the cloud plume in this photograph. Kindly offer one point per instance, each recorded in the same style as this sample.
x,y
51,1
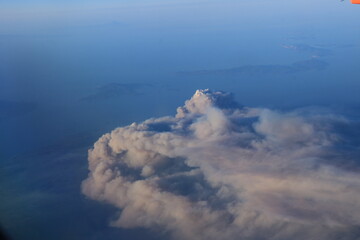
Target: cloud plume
x,y
218,170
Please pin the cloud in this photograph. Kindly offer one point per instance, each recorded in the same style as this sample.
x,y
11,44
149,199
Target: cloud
x,y
114,89
314,51
218,170
301,66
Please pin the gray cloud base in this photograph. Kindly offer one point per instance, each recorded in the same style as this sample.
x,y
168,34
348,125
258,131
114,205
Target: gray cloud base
x,y
220,171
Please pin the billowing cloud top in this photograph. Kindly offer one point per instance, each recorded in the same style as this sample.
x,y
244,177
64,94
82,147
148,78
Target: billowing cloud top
x,y
221,171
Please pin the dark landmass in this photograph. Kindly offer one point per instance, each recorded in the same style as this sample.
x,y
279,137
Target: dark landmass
x,y
114,89
301,66
13,109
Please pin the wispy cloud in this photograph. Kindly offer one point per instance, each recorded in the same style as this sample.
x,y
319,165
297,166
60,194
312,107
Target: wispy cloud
x,y
312,50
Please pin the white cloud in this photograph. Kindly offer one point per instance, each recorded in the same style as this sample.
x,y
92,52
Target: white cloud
x,y
221,171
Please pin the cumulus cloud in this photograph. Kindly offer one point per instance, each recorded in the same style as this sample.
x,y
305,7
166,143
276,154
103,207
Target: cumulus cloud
x,y
218,170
